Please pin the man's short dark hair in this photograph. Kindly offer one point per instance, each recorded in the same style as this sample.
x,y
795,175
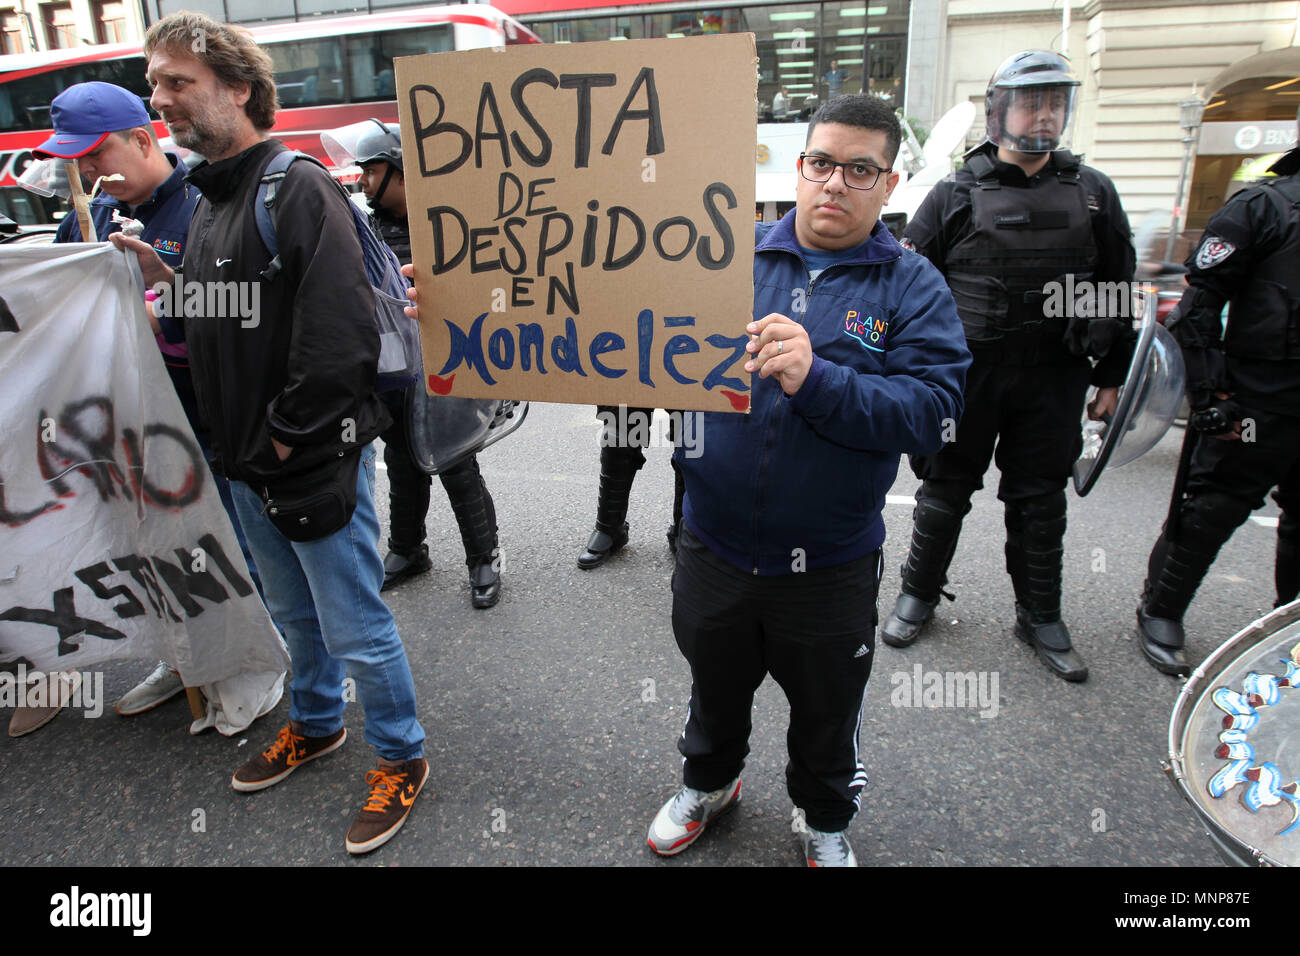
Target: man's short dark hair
x,y
865,110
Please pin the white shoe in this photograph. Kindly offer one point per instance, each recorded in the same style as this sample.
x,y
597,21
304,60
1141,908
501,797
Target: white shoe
x,y
827,849
682,819
159,687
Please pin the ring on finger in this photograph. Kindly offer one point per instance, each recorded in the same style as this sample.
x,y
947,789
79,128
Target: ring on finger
x,y
780,346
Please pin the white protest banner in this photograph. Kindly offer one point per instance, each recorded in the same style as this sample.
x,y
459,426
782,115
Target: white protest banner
x,y
582,219
113,540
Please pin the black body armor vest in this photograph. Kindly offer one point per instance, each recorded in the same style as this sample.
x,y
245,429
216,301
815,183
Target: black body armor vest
x,y
1264,317
1021,240
396,233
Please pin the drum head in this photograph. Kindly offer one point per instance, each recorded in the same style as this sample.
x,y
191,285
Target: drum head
x,y
1235,742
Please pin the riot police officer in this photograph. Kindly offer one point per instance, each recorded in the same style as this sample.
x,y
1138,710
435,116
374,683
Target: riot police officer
x,y
1244,390
620,460
1022,213
379,154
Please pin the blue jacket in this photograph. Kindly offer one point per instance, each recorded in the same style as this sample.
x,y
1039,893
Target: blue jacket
x,y
166,217
800,481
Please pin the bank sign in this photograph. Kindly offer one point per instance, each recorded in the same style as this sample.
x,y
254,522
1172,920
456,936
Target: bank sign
x,y
1247,139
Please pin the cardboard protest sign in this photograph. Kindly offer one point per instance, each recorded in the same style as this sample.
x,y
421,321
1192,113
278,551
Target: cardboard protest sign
x,y
113,540
582,219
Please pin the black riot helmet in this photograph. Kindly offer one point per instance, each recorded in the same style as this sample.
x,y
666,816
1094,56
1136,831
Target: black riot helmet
x,y
382,142
1030,102
370,141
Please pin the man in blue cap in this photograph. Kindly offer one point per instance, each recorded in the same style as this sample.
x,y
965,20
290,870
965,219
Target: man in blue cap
x,y
107,130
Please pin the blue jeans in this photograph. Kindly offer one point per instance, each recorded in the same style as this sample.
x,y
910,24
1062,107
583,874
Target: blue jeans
x,y
325,595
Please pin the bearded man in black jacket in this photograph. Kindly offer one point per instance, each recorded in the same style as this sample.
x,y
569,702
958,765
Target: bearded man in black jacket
x,y
288,392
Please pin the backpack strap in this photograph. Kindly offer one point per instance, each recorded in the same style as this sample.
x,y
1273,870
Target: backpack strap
x,y
267,187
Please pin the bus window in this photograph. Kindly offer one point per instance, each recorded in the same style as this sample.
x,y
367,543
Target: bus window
x,y
370,57
308,72
25,102
27,209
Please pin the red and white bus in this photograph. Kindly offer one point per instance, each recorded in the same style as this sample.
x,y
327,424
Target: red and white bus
x,y
330,72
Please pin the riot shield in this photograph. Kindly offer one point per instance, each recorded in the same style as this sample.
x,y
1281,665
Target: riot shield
x,y
443,431
1148,401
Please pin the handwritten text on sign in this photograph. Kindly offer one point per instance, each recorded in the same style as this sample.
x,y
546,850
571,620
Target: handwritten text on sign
x,y
581,219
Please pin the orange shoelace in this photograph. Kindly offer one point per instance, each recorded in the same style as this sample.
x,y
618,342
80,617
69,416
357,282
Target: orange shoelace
x,y
383,787
284,741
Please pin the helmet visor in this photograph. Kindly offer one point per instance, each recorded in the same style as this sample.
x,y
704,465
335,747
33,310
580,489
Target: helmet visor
x,y
341,144
1032,119
47,177
364,142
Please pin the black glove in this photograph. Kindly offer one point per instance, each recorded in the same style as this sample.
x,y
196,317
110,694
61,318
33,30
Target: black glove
x,y
1217,419
1095,337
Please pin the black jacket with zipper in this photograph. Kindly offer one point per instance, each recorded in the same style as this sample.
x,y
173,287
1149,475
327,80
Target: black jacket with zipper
x,y
302,368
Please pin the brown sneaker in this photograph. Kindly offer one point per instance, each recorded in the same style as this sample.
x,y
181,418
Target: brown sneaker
x,y
392,794
284,757
42,700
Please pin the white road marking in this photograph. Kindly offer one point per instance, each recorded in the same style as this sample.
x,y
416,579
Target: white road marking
x,y
1264,520
899,500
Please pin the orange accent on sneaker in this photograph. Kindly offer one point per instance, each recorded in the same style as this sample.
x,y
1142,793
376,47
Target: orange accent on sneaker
x,y
383,787
285,740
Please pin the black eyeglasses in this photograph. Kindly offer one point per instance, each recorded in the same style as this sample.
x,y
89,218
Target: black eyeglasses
x,y
819,169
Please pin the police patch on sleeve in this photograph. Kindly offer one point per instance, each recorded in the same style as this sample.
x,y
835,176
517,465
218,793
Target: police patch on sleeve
x,y
1213,251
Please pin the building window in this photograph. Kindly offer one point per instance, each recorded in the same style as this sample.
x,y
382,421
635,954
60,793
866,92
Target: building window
x,y
60,25
110,21
12,31
807,52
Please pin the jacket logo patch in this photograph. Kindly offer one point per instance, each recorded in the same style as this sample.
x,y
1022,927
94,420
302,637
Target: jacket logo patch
x,y
171,246
1213,251
869,332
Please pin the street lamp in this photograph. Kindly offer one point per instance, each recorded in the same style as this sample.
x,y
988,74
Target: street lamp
x,y
1189,118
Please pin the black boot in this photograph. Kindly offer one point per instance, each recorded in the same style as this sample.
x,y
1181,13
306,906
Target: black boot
x,y
477,518
1034,549
398,565
618,468
408,503
1174,572
936,524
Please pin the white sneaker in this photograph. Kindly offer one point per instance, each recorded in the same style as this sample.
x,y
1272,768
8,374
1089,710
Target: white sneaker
x,y
160,686
827,849
682,819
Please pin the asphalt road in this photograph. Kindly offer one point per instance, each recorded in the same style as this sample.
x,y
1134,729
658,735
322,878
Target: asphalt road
x,y
552,718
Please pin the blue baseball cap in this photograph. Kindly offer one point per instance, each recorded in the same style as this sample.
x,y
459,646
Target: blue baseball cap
x,y
84,114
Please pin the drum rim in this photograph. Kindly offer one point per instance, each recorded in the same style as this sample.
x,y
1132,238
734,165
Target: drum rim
x,y
1206,672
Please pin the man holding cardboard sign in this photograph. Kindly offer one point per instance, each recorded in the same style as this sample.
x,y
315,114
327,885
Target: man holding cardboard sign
x,y
860,357
573,286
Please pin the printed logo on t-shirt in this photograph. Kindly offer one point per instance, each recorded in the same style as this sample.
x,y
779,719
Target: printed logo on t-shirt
x,y
869,332
170,246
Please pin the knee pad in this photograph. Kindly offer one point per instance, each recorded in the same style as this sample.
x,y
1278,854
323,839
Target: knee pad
x,y
954,495
1040,520
1208,520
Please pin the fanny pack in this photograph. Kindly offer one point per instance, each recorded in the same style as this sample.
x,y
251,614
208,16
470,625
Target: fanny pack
x,y
315,505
